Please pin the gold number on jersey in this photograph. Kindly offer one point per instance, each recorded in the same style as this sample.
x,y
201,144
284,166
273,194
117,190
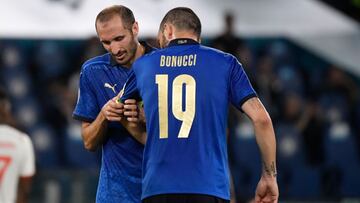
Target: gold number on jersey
x,y
186,116
162,82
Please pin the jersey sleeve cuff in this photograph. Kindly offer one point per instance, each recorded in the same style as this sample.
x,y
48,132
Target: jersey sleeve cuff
x,y
245,99
82,118
27,176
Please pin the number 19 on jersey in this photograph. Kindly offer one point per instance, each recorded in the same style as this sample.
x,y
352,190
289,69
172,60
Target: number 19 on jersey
x,y
186,116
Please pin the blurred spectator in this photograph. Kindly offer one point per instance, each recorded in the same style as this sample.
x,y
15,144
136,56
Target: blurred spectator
x,y
152,41
51,60
228,41
92,48
338,94
313,130
246,58
267,84
289,132
17,162
290,80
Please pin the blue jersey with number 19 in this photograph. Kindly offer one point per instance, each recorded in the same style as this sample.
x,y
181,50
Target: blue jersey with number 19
x,y
186,89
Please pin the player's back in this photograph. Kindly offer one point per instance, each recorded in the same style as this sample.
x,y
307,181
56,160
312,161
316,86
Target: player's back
x,y
16,160
186,90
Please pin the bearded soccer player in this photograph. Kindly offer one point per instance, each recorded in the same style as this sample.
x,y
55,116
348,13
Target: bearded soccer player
x,y
186,89
101,80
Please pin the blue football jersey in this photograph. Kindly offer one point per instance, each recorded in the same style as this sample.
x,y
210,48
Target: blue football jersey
x,y
101,79
186,89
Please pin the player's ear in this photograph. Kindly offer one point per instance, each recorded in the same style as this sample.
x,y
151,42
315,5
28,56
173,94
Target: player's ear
x,y
165,30
168,31
135,28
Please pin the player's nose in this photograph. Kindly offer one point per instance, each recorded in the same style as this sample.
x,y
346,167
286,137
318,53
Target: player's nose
x,y
114,49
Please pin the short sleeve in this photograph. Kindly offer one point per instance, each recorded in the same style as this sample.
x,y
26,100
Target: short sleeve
x,y
28,164
240,87
130,90
86,108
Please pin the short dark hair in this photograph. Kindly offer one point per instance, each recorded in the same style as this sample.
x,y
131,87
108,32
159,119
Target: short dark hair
x,y
5,115
123,12
4,100
182,18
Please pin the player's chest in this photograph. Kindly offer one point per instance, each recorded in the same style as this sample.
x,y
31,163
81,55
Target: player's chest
x,y
109,82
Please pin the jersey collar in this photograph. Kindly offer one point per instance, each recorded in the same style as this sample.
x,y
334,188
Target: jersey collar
x,y
147,47
182,41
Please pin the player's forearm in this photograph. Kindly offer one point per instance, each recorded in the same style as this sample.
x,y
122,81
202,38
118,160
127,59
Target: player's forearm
x,y
265,138
264,133
94,133
232,190
137,130
23,190
21,198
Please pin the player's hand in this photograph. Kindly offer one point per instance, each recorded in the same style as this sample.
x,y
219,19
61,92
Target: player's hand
x,y
267,190
131,110
141,113
112,110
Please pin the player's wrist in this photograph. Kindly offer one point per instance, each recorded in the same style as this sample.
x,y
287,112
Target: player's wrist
x,y
269,176
102,116
269,170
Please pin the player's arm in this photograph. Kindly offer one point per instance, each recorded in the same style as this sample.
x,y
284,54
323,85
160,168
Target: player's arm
x,y
131,111
24,187
138,131
94,133
232,190
267,189
27,171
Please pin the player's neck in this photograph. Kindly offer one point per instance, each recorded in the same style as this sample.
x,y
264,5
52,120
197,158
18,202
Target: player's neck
x,y
187,35
140,50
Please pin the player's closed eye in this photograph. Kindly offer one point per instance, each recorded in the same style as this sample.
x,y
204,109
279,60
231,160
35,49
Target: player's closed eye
x,y
119,38
106,42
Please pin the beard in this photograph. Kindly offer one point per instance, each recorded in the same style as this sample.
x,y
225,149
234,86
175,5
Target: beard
x,y
129,54
162,41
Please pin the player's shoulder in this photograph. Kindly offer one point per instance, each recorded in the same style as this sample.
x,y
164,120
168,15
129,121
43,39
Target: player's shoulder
x,y
148,55
153,54
145,58
14,133
218,54
210,53
96,61
148,52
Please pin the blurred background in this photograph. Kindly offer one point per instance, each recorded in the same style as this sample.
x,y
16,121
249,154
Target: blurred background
x,y
301,56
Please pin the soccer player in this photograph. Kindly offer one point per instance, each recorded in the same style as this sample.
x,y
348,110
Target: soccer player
x,y
101,79
186,89
17,162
